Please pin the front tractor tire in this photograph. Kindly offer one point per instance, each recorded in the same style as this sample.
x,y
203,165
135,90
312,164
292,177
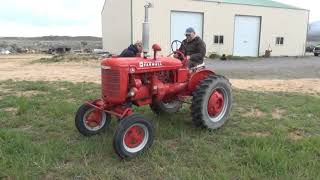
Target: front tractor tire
x,y
91,121
160,108
133,136
211,103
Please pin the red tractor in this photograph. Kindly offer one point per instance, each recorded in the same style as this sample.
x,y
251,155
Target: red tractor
x,y
163,83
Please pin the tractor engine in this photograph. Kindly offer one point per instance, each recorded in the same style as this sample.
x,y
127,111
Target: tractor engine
x,y
141,81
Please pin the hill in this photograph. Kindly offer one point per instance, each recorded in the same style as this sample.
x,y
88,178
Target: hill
x,y
55,38
45,42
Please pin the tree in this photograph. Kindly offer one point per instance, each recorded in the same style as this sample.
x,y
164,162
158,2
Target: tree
x,y
84,44
14,47
3,45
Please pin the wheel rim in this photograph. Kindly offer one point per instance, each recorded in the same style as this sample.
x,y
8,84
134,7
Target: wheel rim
x,y
217,104
94,119
135,138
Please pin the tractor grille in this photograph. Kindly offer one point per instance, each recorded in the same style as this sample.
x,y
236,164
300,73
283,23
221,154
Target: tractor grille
x,y
110,83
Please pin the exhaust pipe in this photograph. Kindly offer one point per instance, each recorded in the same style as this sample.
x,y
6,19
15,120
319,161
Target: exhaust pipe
x,y
146,30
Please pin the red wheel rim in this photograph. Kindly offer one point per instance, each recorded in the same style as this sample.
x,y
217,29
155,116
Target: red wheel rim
x,y
93,118
134,136
216,103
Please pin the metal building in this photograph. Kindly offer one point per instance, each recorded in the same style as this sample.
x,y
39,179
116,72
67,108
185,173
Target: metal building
x,y
231,27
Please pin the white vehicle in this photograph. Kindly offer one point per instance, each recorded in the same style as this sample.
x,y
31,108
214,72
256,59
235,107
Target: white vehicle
x,y
5,52
316,50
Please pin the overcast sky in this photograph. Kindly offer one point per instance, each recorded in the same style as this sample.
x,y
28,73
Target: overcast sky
x,y
74,17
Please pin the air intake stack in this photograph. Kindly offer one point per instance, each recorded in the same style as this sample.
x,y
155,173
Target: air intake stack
x,y
146,30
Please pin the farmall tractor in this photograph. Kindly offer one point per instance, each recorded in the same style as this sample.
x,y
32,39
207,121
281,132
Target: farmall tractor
x,y
163,83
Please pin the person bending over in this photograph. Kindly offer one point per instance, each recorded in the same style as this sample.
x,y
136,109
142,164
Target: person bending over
x,y
133,50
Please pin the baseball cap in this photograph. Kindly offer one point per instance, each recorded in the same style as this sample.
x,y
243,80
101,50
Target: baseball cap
x,y
190,30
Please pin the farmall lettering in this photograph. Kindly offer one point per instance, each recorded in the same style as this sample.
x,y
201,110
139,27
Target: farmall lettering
x,y
150,64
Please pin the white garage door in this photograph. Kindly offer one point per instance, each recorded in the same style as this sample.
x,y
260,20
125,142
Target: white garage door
x,y
180,21
246,36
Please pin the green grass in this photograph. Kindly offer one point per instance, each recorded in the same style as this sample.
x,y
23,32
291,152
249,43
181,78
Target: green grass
x,y
38,139
67,58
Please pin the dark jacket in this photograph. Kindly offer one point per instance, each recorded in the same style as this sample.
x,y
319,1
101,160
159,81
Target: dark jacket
x,y
196,49
131,51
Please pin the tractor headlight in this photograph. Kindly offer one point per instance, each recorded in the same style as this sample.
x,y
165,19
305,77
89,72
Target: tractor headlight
x,y
132,92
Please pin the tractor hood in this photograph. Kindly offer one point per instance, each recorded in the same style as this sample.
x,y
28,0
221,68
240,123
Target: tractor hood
x,y
141,65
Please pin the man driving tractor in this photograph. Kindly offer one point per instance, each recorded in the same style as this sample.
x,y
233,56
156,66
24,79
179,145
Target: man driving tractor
x,y
193,47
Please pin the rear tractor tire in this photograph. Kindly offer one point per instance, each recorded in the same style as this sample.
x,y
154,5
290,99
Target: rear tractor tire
x,y
90,121
133,136
166,108
211,103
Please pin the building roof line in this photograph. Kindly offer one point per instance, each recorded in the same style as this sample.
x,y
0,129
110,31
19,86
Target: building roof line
x,y
104,4
283,6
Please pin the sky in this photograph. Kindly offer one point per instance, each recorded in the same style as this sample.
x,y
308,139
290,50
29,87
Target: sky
x,y
30,18
312,5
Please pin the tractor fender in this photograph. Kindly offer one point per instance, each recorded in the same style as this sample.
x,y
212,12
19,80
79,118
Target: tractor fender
x,y
197,77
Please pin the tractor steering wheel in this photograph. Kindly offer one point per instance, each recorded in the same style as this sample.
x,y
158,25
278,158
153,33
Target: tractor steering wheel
x,y
175,45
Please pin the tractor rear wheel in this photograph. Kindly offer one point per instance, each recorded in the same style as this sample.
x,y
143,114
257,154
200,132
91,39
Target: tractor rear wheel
x,y
91,121
133,136
211,103
166,108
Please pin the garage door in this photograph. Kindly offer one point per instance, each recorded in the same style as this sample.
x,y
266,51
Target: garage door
x,y
246,36
180,21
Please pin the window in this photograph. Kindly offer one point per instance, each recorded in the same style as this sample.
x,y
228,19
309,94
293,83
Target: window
x,y
221,40
218,39
280,41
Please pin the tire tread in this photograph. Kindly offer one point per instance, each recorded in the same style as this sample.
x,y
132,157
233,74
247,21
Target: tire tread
x,y
198,98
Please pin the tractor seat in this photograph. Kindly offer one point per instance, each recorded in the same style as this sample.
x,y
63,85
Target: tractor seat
x,y
200,66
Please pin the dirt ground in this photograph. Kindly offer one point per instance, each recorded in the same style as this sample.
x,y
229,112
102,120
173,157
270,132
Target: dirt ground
x,y
20,67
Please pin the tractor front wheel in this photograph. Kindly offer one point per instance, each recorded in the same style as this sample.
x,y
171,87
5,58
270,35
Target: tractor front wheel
x,y
166,108
134,135
91,121
211,103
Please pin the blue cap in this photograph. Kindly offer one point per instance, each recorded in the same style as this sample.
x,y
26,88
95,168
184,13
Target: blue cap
x,y
190,30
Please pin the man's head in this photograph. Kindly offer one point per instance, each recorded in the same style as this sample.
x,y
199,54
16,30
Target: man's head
x,y
139,46
190,34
